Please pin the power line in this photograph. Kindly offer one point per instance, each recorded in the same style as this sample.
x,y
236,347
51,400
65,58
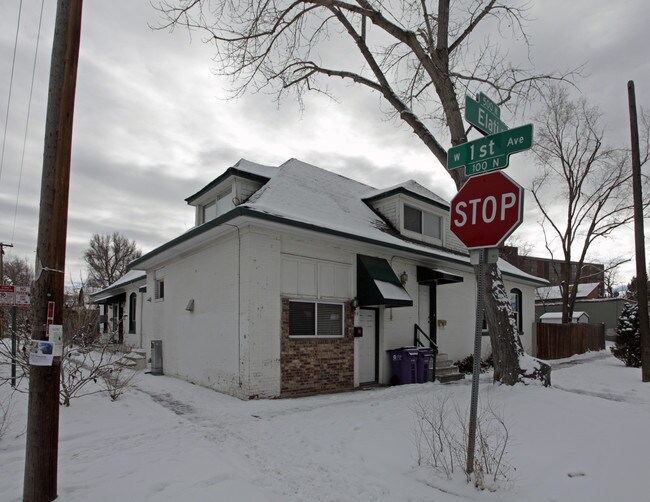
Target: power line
x,y
29,107
11,84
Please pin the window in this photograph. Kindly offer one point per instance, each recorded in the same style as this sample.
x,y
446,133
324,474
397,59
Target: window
x,y
159,285
209,211
132,307
422,222
515,302
317,319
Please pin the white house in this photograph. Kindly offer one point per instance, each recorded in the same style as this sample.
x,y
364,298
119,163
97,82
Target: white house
x,y
261,298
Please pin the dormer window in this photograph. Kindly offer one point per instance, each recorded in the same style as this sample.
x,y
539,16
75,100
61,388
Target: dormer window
x,y
210,211
422,222
222,205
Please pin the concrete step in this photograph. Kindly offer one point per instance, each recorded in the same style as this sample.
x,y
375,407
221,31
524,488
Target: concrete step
x,y
446,370
134,360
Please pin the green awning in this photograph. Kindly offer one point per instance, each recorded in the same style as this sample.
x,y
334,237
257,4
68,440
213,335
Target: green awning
x,y
435,276
378,285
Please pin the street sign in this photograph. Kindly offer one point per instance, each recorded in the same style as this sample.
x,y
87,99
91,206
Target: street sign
x,y
7,296
484,114
23,296
486,210
492,152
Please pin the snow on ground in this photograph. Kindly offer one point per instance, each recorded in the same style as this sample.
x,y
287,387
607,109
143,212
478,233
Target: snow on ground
x,y
585,439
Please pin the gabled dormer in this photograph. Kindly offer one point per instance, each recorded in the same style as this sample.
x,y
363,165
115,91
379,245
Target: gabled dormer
x,y
414,211
229,190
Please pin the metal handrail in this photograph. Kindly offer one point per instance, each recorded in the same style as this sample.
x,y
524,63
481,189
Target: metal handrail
x,y
416,339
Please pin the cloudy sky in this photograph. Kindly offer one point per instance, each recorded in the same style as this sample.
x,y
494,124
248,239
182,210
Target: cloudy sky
x,y
152,124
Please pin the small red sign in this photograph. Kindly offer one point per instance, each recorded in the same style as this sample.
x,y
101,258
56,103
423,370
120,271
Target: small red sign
x,y
50,313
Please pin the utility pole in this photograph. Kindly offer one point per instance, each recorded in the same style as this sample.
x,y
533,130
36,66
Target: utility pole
x,y
42,437
639,238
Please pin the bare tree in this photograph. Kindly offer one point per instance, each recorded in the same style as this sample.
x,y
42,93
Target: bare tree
x,y
18,271
108,257
419,56
583,189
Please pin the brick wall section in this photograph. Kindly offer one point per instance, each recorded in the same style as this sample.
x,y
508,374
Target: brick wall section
x,y
316,366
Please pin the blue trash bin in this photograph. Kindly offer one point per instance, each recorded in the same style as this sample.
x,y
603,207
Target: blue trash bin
x,y
404,362
424,358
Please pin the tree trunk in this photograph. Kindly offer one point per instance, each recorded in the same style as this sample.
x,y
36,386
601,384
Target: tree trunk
x,y
511,363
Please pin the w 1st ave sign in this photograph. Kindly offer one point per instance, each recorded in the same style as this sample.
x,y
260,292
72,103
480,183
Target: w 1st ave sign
x,y
486,210
492,152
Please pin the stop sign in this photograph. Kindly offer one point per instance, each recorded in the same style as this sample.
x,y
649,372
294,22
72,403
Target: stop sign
x,y
486,210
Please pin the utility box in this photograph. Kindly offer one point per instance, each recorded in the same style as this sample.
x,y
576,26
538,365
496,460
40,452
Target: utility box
x,y
156,357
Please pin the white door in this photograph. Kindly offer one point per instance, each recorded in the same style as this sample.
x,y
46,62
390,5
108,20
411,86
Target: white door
x,y
423,310
367,347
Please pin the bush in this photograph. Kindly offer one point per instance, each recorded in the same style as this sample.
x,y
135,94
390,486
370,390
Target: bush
x,y
441,440
466,365
627,346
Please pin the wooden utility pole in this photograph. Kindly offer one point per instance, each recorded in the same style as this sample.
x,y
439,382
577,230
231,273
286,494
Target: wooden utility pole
x,y
639,238
41,456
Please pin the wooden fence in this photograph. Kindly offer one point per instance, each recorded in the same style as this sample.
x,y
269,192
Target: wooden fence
x,y
555,341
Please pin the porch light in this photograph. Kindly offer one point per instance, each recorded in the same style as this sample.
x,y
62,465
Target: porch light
x,y
403,278
190,306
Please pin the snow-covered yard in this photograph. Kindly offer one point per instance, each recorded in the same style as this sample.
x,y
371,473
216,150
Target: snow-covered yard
x,y
585,439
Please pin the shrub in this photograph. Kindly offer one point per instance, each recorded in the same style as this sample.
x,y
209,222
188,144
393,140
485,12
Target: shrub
x,y
627,346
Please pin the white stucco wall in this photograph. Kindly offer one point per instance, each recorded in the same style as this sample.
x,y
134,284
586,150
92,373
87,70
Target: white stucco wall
x,y
231,342
200,346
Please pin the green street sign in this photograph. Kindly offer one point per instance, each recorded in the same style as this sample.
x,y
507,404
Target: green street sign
x,y
490,153
483,113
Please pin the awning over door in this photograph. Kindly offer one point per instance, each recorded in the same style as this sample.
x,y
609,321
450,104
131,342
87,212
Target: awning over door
x,y
116,298
435,276
377,284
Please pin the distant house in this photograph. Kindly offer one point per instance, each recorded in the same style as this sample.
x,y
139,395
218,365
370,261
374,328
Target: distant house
x,y
552,294
556,317
554,271
121,308
262,297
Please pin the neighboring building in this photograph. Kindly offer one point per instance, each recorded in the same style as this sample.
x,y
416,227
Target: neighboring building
x,y
556,317
554,270
600,310
121,308
553,294
263,296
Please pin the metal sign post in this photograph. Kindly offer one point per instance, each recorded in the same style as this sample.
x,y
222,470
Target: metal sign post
x,y
476,366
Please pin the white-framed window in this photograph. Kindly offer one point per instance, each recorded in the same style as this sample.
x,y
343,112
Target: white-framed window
x,y
210,211
315,319
515,303
159,285
422,222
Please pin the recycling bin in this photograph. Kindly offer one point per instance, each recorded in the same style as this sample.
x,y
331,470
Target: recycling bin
x,y
404,362
424,360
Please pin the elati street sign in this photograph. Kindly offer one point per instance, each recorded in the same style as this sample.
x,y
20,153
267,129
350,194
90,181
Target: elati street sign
x,y
486,210
484,114
492,152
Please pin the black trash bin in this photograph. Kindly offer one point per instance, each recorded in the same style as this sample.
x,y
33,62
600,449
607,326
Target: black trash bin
x,y
404,362
424,360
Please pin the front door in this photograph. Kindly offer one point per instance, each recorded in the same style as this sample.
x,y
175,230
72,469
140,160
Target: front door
x,y
368,346
427,311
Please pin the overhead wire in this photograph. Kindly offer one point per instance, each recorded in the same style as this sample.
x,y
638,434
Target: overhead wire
x,y
11,84
29,107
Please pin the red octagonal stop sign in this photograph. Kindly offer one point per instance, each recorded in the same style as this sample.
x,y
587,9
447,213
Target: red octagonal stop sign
x,y
486,210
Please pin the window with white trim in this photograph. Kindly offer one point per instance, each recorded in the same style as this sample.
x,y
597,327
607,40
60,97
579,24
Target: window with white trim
x,y
315,319
209,211
159,285
422,222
